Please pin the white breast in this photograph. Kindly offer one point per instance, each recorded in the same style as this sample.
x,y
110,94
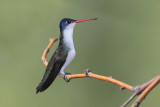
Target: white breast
x,y
69,59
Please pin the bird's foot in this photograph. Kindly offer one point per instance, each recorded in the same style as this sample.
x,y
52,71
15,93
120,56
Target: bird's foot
x,y
66,78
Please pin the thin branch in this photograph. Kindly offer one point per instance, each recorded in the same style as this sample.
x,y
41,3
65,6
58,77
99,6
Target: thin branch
x,y
146,92
130,99
44,60
95,76
138,90
141,90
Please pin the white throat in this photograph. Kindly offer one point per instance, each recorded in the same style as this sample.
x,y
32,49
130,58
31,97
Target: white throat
x,y
68,35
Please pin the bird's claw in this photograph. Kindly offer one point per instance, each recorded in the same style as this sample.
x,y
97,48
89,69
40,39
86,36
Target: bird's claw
x,y
66,78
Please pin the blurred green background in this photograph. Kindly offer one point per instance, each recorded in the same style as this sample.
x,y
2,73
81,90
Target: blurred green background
x,y
124,43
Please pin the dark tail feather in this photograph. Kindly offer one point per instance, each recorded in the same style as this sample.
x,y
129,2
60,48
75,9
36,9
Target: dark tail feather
x,y
47,80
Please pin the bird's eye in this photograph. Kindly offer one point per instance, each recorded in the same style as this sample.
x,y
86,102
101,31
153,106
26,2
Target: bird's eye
x,y
68,22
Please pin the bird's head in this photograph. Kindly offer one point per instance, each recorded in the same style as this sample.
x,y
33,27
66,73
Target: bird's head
x,y
70,23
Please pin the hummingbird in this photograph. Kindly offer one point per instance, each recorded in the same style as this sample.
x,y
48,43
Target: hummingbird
x,y
63,55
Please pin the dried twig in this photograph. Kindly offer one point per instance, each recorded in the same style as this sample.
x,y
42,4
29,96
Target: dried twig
x,y
44,60
141,90
146,91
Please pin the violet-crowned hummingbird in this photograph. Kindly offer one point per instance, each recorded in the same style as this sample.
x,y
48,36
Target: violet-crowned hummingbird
x,y
63,55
